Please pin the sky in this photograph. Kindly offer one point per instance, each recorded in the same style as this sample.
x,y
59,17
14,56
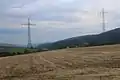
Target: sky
x,y
55,19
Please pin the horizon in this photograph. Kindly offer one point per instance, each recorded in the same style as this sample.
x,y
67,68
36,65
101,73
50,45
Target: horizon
x,y
36,44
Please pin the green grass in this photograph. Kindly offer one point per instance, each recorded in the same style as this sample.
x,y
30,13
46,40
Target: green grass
x,y
21,50
10,51
15,50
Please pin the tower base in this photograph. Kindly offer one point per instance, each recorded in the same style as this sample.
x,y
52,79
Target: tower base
x,y
29,45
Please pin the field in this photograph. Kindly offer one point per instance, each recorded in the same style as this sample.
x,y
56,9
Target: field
x,y
20,50
92,63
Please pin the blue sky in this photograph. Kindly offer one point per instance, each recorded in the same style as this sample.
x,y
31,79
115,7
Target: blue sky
x,y
55,19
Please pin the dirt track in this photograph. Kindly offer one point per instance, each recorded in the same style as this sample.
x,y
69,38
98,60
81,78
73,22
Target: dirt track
x,y
94,63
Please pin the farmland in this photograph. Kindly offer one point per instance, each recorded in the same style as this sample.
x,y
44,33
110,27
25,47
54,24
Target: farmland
x,y
90,63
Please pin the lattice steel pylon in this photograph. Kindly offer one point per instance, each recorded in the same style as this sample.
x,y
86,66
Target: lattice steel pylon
x,y
103,20
29,45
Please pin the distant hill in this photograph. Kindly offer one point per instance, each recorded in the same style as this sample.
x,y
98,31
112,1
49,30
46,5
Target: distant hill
x,y
106,38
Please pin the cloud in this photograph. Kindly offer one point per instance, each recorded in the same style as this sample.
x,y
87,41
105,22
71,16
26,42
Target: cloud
x,y
55,19
7,31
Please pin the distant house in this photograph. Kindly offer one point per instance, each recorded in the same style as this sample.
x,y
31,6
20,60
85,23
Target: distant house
x,y
86,44
76,46
44,49
67,47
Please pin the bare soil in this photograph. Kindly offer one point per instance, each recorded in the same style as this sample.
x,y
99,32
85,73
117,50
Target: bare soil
x,y
92,63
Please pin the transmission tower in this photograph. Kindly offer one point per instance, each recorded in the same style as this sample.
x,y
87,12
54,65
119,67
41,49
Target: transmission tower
x,y
29,45
103,20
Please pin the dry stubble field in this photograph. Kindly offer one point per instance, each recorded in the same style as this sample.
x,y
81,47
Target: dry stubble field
x,y
93,63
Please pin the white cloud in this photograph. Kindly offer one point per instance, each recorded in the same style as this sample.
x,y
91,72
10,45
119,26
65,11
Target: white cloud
x,y
59,17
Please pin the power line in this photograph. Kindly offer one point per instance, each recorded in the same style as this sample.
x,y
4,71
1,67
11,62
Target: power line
x,y
29,45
